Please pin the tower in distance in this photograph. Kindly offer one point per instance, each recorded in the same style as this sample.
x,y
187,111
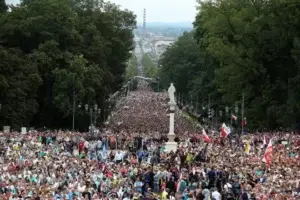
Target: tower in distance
x,y
144,24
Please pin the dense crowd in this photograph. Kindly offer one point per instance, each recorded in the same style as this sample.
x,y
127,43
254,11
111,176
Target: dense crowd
x,y
147,112
127,160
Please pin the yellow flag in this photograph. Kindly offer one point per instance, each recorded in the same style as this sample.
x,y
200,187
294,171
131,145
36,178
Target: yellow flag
x,y
247,147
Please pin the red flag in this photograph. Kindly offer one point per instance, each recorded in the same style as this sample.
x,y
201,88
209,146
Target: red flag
x,y
225,131
205,136
268,154
233,117
244,122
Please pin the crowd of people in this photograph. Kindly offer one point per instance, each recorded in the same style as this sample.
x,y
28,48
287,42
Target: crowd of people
x,y
127,160
147,112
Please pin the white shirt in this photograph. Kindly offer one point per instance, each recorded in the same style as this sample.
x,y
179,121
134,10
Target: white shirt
x,y
119,156
216,195
86,144
227,187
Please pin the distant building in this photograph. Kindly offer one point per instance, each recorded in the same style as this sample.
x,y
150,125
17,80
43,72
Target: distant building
x,y
161,46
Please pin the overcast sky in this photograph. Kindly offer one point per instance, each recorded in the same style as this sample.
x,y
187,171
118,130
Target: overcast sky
x,y
162,10
157,10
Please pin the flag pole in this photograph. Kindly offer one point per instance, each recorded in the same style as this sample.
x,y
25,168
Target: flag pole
x,y
209,111
243,107
197,104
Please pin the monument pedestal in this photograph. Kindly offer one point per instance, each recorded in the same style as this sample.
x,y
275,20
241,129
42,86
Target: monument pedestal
x,y
171,145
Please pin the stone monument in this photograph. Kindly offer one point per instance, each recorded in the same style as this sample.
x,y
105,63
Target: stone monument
x,y
171,145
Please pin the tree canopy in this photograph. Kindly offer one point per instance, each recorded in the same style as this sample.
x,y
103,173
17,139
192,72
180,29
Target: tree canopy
x,y
249,47
148,66
3,6
52,49
132,68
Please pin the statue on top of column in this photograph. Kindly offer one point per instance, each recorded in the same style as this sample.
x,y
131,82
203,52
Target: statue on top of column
x,y
171,92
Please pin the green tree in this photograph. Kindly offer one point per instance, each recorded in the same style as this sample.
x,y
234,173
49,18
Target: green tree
x,y
251,41
75,46
3,6
19,81
241,47
191,69
132,68
149,69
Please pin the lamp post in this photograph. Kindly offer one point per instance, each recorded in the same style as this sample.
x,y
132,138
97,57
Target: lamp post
x,y
212,116
97,112
106,111
243,112
209,101
74,109
197,104
236,109
220,115
227,111
191,109
93,111
203,110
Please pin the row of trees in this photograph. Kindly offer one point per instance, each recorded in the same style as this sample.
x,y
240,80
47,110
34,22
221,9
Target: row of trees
x,y
53,49
132,68
249,47
148,67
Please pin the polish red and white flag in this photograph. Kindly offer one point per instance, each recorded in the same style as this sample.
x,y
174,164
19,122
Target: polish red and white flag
x,y
233,117
205,136
268,153
225,130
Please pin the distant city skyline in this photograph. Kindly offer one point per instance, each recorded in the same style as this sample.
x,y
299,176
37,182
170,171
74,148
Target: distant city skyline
x,y
169,11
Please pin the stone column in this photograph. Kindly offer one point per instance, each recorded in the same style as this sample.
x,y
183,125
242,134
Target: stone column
x,y
171,145
171,126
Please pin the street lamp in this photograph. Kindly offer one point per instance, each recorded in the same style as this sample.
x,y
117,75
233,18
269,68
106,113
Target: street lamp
x,y
106,112
212,117
226,109
236,109
93,112
220,116
74,109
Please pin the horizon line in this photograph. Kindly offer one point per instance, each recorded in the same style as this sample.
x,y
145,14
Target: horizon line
x,y
166,22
